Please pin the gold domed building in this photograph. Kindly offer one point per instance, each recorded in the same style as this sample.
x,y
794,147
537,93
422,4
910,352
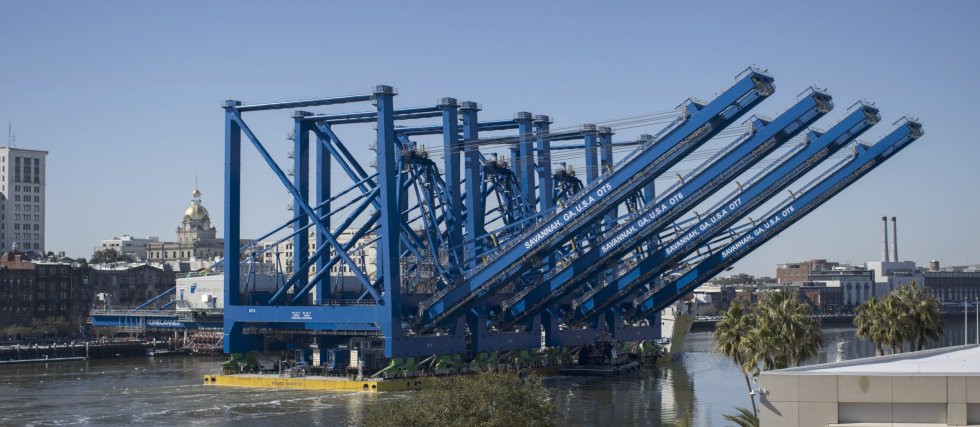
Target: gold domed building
x,y
196,237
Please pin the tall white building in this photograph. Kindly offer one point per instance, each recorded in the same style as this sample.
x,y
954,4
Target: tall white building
x,y
22,199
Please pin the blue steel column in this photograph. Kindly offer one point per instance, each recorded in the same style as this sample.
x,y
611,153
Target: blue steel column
x,y
388,245
606,161
649,191
301,179
322,196
233,209
526,157
451,149
591,157
475,211
547,190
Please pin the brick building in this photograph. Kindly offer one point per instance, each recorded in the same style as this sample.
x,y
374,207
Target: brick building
x,y
799,272
37,290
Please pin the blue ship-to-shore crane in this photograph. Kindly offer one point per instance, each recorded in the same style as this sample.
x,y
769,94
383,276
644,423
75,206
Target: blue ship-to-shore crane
x,y
864,160
760,141
488,240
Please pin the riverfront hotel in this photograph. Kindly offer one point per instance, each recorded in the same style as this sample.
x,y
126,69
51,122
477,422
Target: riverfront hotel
x,y
938,387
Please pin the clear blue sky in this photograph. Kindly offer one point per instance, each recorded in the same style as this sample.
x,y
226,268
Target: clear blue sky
x,y
125,95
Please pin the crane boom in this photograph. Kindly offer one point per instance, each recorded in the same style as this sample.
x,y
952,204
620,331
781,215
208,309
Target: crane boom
x,y
648,162
760,142
865,160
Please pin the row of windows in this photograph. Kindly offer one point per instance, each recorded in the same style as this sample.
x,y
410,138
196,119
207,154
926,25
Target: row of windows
x,y
26,236
173,254
26,227
26,217
18,198
28,188
27,169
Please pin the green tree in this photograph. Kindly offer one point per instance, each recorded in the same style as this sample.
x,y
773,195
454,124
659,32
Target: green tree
x,y
778,333
908,316
488,399
108,255
730,339
785,333
923,313
870,323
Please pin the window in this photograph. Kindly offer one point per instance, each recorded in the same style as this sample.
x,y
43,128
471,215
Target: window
x,y
37,217
37,199
16,188
16,226
16,197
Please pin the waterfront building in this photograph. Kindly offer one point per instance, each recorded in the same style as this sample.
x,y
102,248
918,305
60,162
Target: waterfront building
x,y
38,290
713,298
856,284
126,285
799,272
891,275
133,247
953,287
925,388
22,199
205,291
824,299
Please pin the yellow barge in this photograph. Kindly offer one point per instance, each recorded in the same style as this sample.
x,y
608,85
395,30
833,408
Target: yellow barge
x,y
317,383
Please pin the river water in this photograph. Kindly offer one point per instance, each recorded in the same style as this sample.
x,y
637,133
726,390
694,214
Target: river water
x,y
168,391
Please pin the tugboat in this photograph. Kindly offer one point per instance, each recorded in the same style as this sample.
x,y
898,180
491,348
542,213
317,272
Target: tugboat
x,y
602,360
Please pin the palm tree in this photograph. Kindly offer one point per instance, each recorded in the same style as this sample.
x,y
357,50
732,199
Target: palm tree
x,y
730,340
870,324
908,315
785,334
779,333
744,418
924,315
896,326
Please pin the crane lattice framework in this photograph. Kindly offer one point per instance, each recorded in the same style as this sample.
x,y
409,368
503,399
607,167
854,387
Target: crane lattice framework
x,y
480,253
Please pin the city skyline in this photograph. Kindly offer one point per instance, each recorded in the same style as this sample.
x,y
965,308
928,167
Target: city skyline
x,y
129,116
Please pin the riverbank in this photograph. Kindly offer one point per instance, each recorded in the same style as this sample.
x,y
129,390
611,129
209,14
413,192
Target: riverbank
x,y
73,351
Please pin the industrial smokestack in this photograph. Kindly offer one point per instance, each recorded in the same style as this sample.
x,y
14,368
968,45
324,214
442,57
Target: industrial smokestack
x,y
895,240
884,239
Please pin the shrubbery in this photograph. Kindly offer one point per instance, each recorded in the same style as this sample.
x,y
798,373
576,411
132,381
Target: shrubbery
x,y
488,399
